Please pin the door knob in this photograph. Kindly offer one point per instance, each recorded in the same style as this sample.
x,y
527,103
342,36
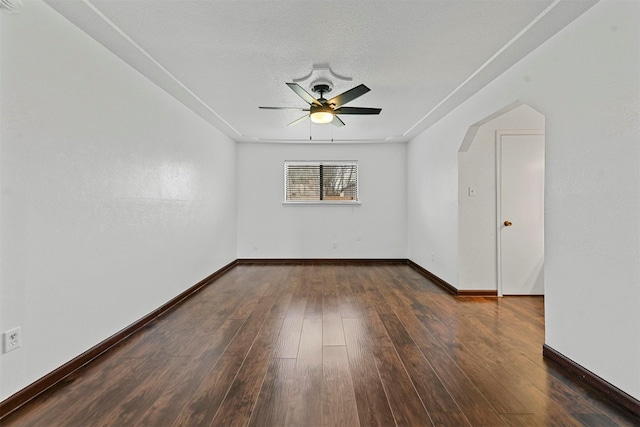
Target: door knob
x,y
508,223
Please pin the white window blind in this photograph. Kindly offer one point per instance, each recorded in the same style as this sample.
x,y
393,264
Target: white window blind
x,y
321,182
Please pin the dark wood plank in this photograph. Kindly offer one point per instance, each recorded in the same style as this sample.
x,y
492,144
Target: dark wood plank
x,y
119,384
175,394
500,377
305,405
207,399
373,406
432,392
470,400
413,325
313,309
506,376
70,397
448,419
289,340
338,398
128,412
406,405
349,307
211,343
174,341
243,307
537,420
204,403
238,404
332,332
595,420
273,401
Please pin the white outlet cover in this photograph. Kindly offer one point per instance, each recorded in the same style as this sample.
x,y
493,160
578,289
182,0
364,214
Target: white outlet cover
x,y
11,339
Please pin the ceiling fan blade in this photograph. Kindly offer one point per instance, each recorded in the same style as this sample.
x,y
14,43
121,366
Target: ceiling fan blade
x,y
284,108
348,96
304,94
357,110
300,120
337,122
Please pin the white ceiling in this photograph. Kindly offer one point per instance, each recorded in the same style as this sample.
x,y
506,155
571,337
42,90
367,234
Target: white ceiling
x,y
223,59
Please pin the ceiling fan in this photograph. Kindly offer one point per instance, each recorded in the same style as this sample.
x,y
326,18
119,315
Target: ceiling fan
x,y
322,110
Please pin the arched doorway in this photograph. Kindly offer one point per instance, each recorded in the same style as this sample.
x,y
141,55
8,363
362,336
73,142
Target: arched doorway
x,y
479,197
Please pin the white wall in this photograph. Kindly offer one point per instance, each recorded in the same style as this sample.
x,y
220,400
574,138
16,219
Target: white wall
x,y
115,198
477,214
286,231
432,205
585,81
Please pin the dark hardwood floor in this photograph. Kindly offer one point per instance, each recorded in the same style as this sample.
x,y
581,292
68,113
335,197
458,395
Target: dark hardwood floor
x,y
328,345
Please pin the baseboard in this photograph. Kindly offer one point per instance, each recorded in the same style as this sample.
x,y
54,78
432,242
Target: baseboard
x,y
449,287
476,293
605,388
311,261
23,396
429,275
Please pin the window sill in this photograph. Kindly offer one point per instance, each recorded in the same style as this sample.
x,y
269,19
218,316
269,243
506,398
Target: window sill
x,y
323,203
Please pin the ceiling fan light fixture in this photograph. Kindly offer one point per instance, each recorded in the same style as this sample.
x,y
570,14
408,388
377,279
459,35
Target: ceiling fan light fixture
x,y
322,117
324,111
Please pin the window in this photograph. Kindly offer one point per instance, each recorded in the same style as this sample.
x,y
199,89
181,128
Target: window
x,y
321,182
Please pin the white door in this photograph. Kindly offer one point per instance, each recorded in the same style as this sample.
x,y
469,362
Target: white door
x,y
520,160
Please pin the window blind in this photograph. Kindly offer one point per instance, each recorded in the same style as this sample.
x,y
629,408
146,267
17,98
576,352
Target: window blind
x,y
321,181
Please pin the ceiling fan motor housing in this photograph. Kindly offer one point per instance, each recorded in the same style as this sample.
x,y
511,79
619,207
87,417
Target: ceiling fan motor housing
x,y
320,109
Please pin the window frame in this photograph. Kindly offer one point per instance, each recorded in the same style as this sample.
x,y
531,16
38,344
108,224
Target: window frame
x,y
288,163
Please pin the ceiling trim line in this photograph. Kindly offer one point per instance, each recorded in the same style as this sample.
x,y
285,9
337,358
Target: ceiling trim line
x,y
156,63
487,62
317,141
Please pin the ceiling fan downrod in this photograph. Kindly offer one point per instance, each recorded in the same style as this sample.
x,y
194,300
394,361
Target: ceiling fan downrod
x,y
321,89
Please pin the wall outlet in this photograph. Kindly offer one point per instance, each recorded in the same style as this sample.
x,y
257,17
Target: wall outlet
x,y
11,339
335,245
433,257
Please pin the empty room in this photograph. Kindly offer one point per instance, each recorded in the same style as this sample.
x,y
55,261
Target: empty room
x,y
339,213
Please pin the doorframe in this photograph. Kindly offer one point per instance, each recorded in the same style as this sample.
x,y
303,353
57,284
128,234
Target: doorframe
x,y
499,134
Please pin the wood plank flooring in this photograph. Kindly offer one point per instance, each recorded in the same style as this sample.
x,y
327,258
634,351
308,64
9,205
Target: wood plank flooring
x,y
328,345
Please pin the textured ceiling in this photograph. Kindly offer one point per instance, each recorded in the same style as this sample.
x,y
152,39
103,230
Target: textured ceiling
x,y
223,59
